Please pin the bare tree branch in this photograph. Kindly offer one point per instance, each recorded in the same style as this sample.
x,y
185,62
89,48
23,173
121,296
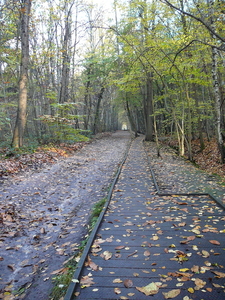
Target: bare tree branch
x,y
207,26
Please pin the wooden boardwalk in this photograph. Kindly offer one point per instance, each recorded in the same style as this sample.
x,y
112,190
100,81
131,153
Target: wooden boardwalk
x,y
168,247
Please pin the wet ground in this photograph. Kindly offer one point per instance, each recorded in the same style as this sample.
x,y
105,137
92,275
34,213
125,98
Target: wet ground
x,y
45,213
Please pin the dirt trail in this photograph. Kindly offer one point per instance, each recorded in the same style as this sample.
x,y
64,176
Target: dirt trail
x,y
45,214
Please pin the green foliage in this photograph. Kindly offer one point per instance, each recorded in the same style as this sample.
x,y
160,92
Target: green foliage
x,y
17,152
96,210
62,128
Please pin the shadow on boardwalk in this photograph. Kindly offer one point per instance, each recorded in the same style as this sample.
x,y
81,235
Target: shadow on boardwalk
x,y
168,246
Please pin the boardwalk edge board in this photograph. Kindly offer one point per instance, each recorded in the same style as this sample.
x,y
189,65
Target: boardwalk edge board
x,y
218,201
72,286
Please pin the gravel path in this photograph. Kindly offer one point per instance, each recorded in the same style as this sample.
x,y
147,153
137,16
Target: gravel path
x,y
45,215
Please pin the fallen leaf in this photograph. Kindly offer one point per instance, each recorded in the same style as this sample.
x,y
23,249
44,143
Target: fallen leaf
x,y
182,224
42,230
117,291
150,289
191,238
191,290
147,253
205,253
60,271
214,242
11,267
128,283
219,274
199,284
106,255
184,270
91,264
195,269
86,281
117,280
132,253
119,247
172,294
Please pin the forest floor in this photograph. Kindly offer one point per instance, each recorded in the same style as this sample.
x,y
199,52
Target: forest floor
x,y
46,200
44,212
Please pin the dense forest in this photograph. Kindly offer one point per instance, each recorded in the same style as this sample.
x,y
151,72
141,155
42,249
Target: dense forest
x,y
70,69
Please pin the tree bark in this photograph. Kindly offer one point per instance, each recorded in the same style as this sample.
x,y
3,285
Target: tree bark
x,y
96,120
131,119
20,124
217,103
148,109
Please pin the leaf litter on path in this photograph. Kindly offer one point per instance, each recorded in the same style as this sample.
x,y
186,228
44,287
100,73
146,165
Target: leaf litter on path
x,y
178,229
44,213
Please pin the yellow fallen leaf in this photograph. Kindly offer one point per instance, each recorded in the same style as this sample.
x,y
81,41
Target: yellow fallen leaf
x,y
117,280
191,290
172,294
184,270
150,289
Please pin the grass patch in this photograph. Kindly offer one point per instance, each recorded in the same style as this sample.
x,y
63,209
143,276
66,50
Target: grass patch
x,y
63,281
96,210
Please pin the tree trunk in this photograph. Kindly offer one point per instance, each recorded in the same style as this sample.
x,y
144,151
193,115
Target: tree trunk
x,y
18,134
64,93
131,119
148,109
217,103
96,120
216,88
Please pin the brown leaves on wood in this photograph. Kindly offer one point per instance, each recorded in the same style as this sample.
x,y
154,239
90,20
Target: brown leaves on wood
x,y
86,281
128,283
214,242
